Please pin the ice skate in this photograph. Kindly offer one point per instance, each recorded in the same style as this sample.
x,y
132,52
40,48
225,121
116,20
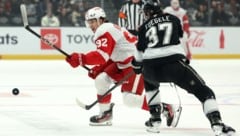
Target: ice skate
x,y
172,114
153,125
220,129
103,119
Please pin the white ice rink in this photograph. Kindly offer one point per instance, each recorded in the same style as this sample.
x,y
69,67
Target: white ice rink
x,y
46,104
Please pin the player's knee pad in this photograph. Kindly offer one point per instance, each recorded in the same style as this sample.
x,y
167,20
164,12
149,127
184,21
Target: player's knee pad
x,y
132,100
102,83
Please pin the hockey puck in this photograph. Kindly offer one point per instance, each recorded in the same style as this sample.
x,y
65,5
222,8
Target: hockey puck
x,y
15,91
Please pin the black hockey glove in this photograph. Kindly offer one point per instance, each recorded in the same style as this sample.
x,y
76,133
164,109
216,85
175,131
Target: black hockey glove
x,y
137,66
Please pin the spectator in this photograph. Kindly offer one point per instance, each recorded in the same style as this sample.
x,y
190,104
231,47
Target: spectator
x,y
64,17
219,16
50,20
76,16
41,8
165,3
117,3
3,16
234,17
14,16
190,6
232,8
31,12
15,7
31,8
201,15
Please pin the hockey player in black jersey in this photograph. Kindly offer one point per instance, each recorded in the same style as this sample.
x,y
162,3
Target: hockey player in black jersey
x,y
160,58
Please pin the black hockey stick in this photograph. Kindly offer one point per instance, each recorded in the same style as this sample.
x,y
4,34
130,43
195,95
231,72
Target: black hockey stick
x,y
87,107
27,27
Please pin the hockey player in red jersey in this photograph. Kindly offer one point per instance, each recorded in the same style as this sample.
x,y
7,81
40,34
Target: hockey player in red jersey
x,y
111,62
176,10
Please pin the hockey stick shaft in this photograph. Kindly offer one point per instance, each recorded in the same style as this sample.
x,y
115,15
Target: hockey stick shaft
x,y
46,41
87,107
178,96
50,44
179,110
27,27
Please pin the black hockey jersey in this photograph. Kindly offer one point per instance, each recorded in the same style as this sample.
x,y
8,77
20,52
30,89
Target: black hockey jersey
x,y
159,37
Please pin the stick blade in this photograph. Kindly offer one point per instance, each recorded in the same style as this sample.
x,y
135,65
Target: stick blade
x,y
80,104
24,14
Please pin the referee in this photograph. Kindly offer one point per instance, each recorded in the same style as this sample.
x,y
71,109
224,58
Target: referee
x,y
131,15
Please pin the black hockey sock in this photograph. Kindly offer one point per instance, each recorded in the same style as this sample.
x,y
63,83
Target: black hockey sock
x,y
214,117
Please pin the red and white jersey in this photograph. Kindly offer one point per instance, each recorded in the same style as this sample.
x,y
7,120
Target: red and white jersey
x,y
113,42
181,14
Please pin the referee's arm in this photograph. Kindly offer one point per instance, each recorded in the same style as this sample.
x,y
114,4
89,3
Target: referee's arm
x,y
122,16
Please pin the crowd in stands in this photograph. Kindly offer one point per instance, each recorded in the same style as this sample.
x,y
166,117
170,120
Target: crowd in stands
x,y
71,12
213,12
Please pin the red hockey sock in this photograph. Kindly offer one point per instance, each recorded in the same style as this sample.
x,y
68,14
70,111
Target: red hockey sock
x,y
145,105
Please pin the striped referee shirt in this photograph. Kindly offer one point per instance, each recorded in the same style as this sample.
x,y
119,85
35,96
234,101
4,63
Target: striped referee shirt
x,y
131,15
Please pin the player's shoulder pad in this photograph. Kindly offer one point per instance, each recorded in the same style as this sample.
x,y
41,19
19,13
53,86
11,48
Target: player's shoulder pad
x,y
167,9
105,27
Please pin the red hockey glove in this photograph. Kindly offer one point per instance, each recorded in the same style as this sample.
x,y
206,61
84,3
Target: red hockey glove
x,y
96,70
75,59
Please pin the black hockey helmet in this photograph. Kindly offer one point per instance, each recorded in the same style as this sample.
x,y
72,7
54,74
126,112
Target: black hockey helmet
x,y
151,8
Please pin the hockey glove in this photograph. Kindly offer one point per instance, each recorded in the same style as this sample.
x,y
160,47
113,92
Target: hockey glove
x,y
96,70
137,66
75,59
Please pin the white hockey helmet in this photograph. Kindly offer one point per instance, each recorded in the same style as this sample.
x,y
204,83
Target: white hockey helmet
x,y
95,13
175,4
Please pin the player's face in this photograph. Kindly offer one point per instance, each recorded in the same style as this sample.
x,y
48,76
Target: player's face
x,y
93,24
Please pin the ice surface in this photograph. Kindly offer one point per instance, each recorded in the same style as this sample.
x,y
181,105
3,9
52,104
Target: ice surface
x,y
46,103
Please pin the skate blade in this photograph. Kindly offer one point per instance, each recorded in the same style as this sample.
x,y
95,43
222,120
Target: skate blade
x,y
106,123
228,134
153,130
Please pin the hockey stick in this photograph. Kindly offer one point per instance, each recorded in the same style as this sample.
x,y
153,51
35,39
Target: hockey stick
x,y
179,110
89,106
27,27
